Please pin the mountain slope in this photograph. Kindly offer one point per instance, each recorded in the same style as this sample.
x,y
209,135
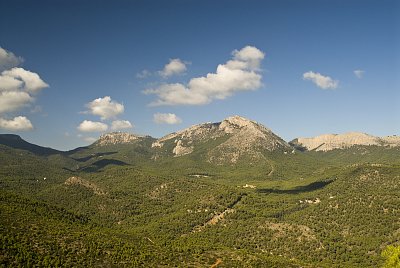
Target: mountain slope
x,y
229,141
16,142
114,149
136,201
115,138
14,151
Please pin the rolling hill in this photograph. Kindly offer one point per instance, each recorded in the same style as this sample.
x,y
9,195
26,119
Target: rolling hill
x,y
228,194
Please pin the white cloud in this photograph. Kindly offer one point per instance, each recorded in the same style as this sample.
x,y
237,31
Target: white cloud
x,y
90,126
143,74
8,59
239,74
248,57
17,87
324,82
169,118
105,108
121,124
174,67
29,81
177,94
359,73
19,123
13,100
8,83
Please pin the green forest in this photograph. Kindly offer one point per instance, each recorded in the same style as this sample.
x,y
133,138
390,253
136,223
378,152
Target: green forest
x,y
115,206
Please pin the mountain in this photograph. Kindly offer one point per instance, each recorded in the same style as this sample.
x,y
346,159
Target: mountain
x,y
328,142
113,149
16,142
115,138
229,141
229,194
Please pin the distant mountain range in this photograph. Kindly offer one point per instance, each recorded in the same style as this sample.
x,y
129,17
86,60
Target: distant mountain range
x,y
330,142
228,141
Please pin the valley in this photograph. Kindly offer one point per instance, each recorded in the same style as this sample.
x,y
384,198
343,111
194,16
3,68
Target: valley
x,y
226,194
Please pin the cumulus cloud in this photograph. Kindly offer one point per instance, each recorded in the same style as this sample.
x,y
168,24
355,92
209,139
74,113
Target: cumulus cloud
x,y
19,123
90,126
168,118
17,86
8,83
239,74
248,57
324,82
359,73
8,60
19,79
17,89
29,81
121,124
13,100
105,107
174,67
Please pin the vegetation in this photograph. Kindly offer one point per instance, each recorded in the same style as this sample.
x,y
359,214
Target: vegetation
x,y
302,209
392,256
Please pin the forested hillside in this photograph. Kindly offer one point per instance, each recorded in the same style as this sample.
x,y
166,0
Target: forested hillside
x,y
116,206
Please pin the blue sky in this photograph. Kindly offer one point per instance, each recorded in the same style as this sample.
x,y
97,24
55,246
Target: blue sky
x,y
294,66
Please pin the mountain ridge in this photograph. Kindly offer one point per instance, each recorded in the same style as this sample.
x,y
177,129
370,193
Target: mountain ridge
x,y
240,133
328,142
113,138
16,142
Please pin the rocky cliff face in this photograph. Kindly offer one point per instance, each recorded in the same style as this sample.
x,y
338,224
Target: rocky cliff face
x,y
238,137
117,138
329,142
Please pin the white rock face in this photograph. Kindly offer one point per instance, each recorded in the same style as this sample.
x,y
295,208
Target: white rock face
x,y
230,124
392,141
157,144
329,142
116,138
196,132
181,150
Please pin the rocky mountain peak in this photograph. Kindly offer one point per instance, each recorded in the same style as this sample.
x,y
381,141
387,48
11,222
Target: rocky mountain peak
x,y
117,138
238,137
233,123
238,121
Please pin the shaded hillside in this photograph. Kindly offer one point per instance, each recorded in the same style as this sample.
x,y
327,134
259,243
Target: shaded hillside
x,y
16,142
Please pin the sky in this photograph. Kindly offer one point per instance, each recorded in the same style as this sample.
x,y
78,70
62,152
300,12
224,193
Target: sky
x,y
71,70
